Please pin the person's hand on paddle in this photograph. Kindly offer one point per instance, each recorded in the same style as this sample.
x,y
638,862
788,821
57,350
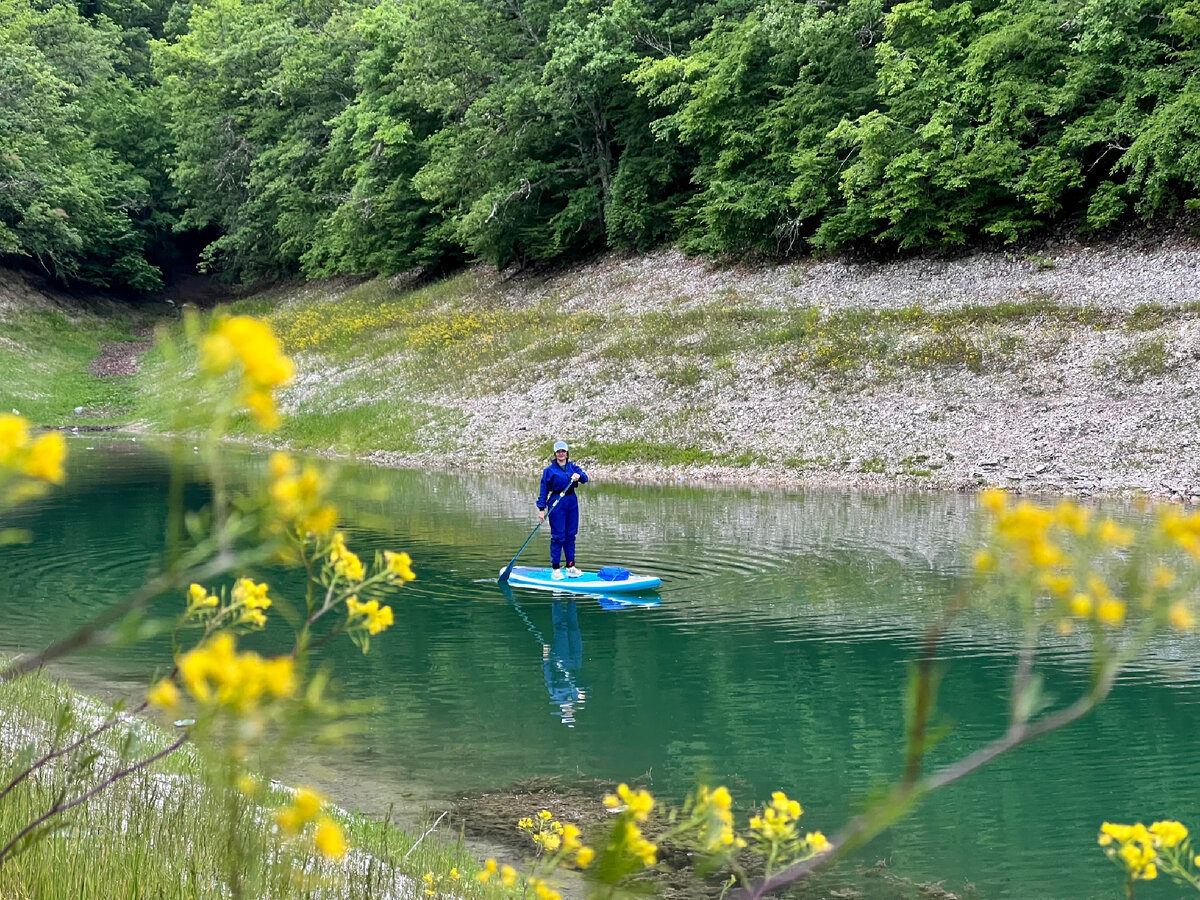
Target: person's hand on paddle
x,y
541,515
575,477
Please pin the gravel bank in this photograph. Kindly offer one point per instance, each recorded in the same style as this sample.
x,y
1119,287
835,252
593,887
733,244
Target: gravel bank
x,y
1050,405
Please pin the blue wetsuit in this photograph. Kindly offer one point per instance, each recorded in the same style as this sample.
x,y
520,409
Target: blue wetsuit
x,y
564,518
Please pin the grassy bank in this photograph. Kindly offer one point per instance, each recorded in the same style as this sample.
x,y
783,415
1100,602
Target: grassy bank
x,y
45,355
162,832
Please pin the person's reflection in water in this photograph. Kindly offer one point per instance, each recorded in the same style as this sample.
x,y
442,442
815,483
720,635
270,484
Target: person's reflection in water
x,y
562,659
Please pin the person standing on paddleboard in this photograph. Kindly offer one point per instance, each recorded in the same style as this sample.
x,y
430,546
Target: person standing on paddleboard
x,y
564,518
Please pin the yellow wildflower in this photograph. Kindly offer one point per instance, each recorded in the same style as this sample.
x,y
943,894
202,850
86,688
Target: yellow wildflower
x,y
508,876
1073,517
1045,553
164,694
399,565
1162,577
817,842
984,561
1183,530
216,354
216,672
345,563
379,619
247,785
307,802
252,596
278,676
1180,616
570,838
254,617
376,618
1111,612
321,521
281,465
994,500
46,458
1114,535
639,802
489,869
198,596
1058,584
257,349
264,367
772,826
584,857
262,406
14,437
782,805
304,808
1081,605
330,839
1111,831
1168,833
1138,857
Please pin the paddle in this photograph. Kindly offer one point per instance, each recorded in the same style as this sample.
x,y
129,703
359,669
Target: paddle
x,y
508,569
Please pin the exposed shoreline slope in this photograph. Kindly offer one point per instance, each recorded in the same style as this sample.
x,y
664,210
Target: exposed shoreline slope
x,y
1073,370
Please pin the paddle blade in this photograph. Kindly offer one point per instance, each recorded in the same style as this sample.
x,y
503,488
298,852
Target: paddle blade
x,y
505,572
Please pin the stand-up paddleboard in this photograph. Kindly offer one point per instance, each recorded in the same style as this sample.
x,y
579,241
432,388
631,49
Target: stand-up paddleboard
x,y
587,583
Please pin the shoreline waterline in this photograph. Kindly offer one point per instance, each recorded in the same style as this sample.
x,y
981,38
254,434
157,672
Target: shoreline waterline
x,y
714,475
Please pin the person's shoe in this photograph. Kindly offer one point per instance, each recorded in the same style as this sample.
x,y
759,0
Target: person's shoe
x,y
557,575
573,572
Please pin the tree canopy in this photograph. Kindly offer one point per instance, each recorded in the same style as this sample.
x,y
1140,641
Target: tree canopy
x,y
317,137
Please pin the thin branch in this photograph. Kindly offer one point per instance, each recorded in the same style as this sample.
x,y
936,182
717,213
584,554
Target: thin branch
x,y
1023,675
867,825
89,634
425,835
60,807
67,749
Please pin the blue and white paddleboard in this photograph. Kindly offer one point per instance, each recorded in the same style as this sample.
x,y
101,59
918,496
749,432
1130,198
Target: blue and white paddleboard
x,y
587,583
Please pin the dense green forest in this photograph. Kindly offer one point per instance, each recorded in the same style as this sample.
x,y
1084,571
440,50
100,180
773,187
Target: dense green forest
x,y
317,137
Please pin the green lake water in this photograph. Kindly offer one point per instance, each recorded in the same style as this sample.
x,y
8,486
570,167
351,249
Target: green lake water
x,y
773,657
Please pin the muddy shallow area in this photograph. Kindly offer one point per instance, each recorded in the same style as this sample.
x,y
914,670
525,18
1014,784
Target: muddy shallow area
x,y
489,818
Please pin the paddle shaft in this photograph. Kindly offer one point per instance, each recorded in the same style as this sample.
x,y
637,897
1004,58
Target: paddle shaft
x,y
508,569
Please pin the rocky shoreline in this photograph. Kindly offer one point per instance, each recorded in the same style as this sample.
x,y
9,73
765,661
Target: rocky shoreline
x,y
1096,394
